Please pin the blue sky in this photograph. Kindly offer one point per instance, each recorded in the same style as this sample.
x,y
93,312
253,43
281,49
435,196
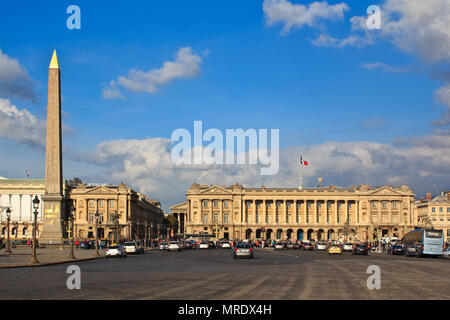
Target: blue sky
x,y
251,76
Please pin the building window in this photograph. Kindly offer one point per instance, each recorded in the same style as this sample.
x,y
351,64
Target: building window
x,y
216,203
394,204
258,205
225,217
24,231
101,203
100,218
225,203
278,204
448,210
216,217
269,203
288,203
433,209
374,204
384,204
248,203
441,209
205,204
308,204
91,217
328,204
205,218
111,203
258,218
91,203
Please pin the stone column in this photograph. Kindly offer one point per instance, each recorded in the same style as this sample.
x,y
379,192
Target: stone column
x,y
297,221
336,210
264,218
274,212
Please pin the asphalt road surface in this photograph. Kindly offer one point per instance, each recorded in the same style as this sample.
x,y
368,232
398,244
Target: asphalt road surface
x,y
214,274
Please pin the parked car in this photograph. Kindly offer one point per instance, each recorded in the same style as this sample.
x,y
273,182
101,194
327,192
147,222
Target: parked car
x,y
348,247
290,245
360,248
226,245
174,246
397,249
116,251
279,246
203,245
212,245
308,246
321,246
410,249
335,249
243,250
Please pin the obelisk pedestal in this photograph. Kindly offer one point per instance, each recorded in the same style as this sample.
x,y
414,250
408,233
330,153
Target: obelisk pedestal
x,y
53,197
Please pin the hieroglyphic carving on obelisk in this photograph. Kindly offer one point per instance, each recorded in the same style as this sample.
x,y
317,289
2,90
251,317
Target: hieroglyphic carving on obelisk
x,y
53,197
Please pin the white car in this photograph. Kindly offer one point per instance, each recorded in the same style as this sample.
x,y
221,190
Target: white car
x,y
279,246
347,247
163,246
130,247
116,251
174,246
321,246
203,245
226,245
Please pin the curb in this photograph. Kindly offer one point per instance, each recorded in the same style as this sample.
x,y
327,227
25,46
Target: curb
x,y
48,263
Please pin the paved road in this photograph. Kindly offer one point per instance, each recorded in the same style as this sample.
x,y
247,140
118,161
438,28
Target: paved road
x,y
213,274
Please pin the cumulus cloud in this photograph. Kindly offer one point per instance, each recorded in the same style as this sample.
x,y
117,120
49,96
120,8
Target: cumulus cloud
x,y
298,15
147,166
15,80
443,96
21,125
112,92
186,65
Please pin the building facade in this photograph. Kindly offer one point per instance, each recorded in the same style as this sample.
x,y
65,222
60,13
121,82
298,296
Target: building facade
x,y
356,213
17,195
435,213
122,212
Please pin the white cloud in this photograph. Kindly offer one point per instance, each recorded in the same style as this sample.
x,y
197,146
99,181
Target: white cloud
x,y
417,27
21,125
385,67
186,65
298,15
15,80
325,40
112,92
146,165
443,96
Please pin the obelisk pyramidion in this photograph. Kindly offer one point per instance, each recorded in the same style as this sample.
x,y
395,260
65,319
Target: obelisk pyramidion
x,y
53,196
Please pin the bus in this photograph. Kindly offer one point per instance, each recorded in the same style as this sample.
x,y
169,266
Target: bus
x,y
424,242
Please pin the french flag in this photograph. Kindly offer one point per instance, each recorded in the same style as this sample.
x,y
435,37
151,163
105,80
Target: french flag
x,y
303,162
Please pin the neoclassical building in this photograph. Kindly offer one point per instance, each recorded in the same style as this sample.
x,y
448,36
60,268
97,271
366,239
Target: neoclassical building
x,y
17,195
435,212
356,213
122,212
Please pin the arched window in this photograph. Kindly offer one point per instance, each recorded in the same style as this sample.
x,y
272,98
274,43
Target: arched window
x,y
4,231
14,231
25,231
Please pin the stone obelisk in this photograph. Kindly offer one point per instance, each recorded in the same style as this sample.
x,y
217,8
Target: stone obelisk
x,y
53,196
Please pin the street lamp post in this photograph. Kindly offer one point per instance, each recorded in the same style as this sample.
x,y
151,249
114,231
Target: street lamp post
x,y
145,233
97,254
151,235
8,219
71,221
36,202
62,234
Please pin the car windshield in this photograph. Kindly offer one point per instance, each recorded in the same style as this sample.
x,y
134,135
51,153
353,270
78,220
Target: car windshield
x,y
113,247
243,245
398,246
129,244
335,246
173,242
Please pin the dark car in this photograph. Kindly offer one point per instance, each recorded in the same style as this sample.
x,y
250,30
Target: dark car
x,y
212,245
397,249
308,246
360,249
243,250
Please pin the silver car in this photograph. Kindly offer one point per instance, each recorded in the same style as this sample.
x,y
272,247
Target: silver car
x,y
243,250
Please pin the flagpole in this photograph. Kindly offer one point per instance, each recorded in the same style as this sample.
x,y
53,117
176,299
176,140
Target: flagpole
x,y
301,174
